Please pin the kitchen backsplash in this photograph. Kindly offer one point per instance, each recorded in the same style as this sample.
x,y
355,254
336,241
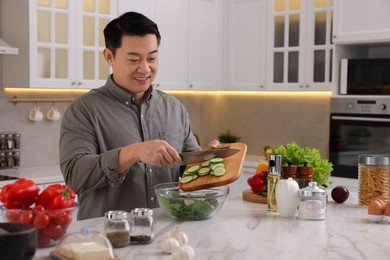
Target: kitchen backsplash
x,y
260,120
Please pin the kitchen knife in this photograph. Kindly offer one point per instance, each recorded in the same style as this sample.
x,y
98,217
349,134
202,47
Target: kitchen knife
x,y
201,156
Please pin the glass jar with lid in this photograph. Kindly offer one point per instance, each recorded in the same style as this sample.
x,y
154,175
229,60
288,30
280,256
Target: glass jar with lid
x,y
312,205
374,175
117,227
3,142
142,226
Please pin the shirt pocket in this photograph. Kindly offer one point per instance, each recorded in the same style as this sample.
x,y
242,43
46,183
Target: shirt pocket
x,y
174,139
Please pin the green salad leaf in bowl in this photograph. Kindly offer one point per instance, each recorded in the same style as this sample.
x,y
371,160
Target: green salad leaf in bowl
x,y
194,205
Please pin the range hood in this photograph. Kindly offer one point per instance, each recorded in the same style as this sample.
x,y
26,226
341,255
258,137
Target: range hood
x,y
5,48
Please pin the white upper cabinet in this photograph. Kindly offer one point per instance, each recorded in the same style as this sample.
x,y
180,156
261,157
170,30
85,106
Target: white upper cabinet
x,y
361,21
246,43
190,51
299,47
60,42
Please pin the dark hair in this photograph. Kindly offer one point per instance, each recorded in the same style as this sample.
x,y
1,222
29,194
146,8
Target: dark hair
x,y
132,24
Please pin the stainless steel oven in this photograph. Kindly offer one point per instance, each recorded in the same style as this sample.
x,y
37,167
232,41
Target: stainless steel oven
x,y
357,126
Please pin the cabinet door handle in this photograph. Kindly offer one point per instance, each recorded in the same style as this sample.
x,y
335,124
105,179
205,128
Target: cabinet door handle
x,y
73,83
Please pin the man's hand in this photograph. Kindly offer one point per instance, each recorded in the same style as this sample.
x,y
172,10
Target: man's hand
x,y
213,144
155,152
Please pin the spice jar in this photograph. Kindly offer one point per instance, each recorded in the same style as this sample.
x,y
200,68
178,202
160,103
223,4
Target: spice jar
x,y
117,228
17,139
3,142
10,141
9,160
16,158
142,226
374,174
3,162
312,204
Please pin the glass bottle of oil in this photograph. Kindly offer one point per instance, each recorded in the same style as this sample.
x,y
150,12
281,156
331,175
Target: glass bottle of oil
x,y
274,172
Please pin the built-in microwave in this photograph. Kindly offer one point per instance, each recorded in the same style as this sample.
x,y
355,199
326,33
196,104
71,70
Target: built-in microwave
x,y
365,77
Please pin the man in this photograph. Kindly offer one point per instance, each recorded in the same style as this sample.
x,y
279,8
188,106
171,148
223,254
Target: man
x,y
120,140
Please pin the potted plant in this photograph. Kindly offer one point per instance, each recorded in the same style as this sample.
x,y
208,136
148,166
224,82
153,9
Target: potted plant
x,y
228,137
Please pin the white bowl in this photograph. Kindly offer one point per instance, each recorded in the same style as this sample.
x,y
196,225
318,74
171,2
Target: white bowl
x,y
375,218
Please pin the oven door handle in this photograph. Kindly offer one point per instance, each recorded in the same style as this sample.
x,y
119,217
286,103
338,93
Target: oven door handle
x,y
367,119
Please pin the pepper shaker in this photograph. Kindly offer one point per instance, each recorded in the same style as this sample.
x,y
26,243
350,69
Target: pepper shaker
x,y
142,226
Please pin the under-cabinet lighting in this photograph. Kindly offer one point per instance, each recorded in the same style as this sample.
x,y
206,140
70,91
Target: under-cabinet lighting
x,y
44,91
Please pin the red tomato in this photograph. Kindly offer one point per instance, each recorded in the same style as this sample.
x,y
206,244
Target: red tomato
x,y
12,216
39,208
42,239
58,217
67,220
41,220
53,231
26,217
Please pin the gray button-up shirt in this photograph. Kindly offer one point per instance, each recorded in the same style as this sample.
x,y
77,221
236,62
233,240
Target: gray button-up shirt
x,y
94,128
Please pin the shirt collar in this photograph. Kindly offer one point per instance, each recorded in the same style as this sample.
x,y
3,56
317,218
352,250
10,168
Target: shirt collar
x,y
124,96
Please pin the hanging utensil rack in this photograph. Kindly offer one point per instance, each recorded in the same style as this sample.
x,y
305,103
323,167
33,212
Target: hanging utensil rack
x,y
16,99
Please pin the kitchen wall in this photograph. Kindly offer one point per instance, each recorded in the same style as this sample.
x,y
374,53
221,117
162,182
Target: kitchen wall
x,y
260,119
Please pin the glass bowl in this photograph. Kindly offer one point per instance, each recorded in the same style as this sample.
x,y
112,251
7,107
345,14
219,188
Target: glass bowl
x,y
51,225
194,205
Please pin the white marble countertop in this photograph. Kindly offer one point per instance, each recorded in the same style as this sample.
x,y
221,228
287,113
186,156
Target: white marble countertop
x,y
244,230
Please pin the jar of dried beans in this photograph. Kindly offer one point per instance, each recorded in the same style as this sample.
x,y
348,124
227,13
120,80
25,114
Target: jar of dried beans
x,y
374,175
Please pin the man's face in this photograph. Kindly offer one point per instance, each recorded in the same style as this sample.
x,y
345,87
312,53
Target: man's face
x,y
135,63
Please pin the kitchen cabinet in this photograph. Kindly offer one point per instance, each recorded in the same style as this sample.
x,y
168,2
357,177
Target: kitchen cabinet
x,y
191,37
299,46
247,45
60,43
361,31
361,21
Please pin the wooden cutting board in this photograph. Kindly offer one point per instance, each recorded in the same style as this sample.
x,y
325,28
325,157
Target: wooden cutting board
x,y
233,165
251,196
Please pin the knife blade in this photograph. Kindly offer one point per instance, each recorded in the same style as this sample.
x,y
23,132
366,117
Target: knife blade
x,y
201,156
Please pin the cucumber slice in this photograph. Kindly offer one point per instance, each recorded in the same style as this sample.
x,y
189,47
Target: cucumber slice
x,y
204,171
217,165
206,163
193,169
219,171
186,179
194,177
186,173
216,160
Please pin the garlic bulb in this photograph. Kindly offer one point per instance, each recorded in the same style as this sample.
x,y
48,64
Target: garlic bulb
x,y
184,252
168,245
179,236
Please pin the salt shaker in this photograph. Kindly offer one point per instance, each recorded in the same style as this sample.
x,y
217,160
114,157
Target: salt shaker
x,y
142,226
117,227
312,205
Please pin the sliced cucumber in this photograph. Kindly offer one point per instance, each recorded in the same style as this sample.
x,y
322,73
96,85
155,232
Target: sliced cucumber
x,y
194,177
204,171
186,173
217,165
186,179
193,169
206,164
216,160
219,171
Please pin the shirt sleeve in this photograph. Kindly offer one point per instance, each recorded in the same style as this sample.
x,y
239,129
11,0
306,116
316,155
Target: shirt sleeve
x,y
83,166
